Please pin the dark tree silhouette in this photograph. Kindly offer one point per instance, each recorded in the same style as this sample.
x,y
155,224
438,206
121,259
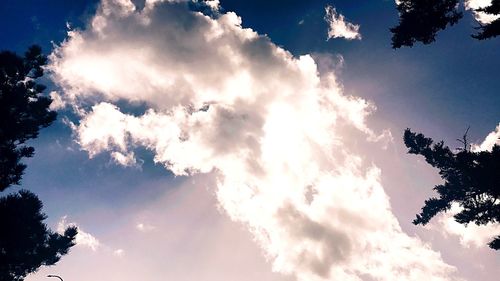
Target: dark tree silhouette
x,y
25,241
420,20
471,179
23,111
492,29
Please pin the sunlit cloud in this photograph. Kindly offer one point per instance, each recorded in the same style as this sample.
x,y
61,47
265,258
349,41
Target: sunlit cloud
x,y
490,140
213,4
338,27
83,238
470,235
481,17
279,137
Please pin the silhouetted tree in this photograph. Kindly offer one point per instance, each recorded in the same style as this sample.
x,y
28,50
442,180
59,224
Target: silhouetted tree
x,y
23,111
420,20
471,179
492,29
25,241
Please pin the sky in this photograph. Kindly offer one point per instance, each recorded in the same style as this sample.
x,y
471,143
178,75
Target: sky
x,y
244,140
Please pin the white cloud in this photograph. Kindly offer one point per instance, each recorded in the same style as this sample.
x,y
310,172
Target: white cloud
x,y
125,159
481,17
83,238
280,138
471,235
57,101
490,140
338,27
213,4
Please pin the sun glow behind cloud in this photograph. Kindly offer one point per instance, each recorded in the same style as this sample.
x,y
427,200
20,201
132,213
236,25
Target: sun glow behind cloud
x,y
279,137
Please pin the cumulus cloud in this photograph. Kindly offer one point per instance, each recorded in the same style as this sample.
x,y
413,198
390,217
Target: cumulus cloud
x,y
279,137
490,140
338,27
481,17
213,4
83,238
471,235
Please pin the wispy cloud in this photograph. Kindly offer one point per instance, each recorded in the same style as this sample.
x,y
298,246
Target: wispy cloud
x,y
280,139
338,27
119,252
125,159
143,227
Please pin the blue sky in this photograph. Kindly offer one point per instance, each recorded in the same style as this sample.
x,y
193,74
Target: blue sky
x,y
160,224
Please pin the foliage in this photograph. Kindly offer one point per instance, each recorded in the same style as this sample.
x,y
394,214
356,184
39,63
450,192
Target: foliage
x,y
23,111
420,20
471,179
492,29
25,241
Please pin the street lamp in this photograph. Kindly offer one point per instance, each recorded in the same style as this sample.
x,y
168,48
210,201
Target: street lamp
x,y
55,277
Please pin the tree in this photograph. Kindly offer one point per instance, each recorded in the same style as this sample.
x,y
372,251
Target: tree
x,y
420,20
25,241
492,29
23,111
471,179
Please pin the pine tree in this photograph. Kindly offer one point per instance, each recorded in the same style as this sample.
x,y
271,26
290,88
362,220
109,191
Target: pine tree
x,y
25,241
471,179
492,29
421,20
23,110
